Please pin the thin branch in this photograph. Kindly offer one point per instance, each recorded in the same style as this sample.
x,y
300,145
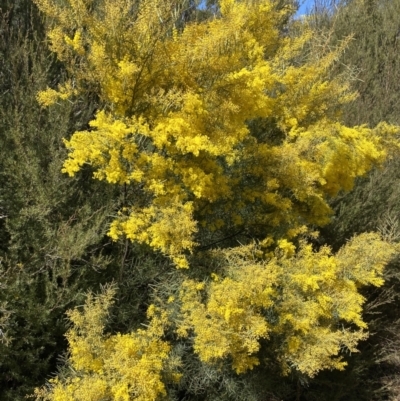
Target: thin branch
x,y
221,240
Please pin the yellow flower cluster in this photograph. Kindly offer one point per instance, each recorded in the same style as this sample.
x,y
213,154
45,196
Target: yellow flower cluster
x,y
119,367
212,121
222,123
305,301
309,300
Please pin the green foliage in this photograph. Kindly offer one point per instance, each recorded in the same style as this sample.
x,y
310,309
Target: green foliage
x,y
373,64
51,228
373,56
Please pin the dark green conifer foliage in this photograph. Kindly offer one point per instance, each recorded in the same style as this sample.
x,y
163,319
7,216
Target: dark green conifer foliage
x,y
51,227
372,59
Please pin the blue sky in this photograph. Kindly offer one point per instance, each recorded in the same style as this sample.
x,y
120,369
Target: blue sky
x,y
305,5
